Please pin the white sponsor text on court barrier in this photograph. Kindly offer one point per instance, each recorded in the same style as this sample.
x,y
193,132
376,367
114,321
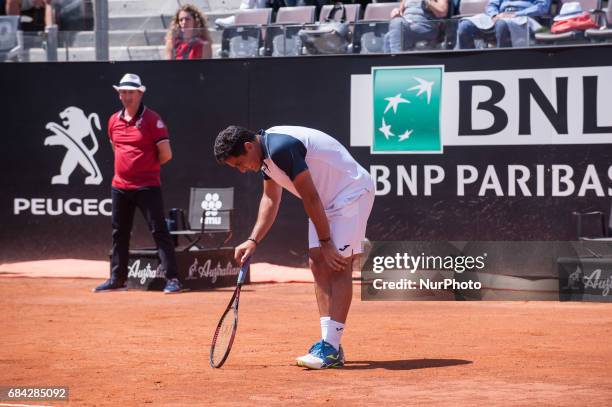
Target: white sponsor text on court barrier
x,y
56,207
556,180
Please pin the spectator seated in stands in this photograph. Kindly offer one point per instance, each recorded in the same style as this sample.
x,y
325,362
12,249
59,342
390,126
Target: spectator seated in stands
x,y
188,36
40,13
414,21
510,20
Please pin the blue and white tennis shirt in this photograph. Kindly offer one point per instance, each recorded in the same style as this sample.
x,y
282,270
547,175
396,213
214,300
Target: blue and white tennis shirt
x,y
289,150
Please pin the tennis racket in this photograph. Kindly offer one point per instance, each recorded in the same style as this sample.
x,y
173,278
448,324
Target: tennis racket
x,y
228,324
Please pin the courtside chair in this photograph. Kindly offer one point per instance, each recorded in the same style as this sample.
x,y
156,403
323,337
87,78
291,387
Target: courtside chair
x,y
282,37
244,39
369,33
596,227
209,222
594,234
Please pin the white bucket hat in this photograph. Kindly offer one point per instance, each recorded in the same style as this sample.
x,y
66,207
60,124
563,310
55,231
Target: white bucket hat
x,y
569,10
130,81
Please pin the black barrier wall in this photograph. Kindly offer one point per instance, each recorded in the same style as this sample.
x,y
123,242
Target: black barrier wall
x,y
45,215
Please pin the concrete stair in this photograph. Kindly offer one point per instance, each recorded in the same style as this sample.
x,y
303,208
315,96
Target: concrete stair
x,y
130,38
158,21
150,7
118,8
124,53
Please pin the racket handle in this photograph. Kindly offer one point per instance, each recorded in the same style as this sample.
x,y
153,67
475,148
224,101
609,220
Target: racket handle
x,y
243,270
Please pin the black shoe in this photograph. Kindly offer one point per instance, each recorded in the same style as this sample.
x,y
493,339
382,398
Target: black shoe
x,y
110,285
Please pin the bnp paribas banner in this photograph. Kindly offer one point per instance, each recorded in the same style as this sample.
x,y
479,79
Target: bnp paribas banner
x,y
422,109
425,110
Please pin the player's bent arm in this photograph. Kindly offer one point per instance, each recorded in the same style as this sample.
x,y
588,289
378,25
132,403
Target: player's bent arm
x,y
268,209
164,151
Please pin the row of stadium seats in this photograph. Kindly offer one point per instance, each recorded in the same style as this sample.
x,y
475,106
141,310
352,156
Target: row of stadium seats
x,y
255,35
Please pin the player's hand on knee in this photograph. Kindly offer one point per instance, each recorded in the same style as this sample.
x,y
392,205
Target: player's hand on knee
x,y
244,251
332,257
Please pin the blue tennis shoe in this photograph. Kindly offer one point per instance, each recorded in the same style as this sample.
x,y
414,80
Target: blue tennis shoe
x,y
173,286
322,355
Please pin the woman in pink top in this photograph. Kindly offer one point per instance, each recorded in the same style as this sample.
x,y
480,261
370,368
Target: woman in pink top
x,y
188,36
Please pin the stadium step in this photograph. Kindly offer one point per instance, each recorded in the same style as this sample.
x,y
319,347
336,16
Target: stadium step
x,y
119,38
151,7
131,53
158,21
122,8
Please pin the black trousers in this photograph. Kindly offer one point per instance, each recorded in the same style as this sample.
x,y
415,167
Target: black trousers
x,y
149,201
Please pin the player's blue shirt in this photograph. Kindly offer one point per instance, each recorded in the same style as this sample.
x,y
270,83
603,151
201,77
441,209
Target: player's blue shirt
x,y
289,150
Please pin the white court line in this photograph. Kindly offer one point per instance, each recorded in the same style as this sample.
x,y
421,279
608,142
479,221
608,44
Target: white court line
x,y
22,405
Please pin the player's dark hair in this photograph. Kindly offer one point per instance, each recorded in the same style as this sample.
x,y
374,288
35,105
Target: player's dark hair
x,y
230,142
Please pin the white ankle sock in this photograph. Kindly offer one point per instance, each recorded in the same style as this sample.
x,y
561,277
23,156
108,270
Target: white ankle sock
x,y
334,333
324,326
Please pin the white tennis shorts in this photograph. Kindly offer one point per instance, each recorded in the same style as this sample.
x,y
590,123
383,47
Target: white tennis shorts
x,y
348,225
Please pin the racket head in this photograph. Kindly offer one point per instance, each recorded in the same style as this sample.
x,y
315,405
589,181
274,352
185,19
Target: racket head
x,y
225,333
228,324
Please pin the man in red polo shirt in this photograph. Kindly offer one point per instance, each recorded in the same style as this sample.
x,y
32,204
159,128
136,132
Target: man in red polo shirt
x,y
140,142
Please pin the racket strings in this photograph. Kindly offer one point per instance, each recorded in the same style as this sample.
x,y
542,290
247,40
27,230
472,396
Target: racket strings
x,y
226,329
223,337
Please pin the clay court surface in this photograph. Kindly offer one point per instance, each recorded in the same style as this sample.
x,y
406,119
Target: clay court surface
x,y
146,348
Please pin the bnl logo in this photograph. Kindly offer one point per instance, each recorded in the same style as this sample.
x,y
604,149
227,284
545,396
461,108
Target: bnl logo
x,y
212,204
406,106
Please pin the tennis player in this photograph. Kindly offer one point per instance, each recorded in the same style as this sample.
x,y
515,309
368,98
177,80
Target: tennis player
x,y
337,194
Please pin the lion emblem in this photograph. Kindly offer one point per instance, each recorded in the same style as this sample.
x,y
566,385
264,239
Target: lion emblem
x,y
76,128
574,280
